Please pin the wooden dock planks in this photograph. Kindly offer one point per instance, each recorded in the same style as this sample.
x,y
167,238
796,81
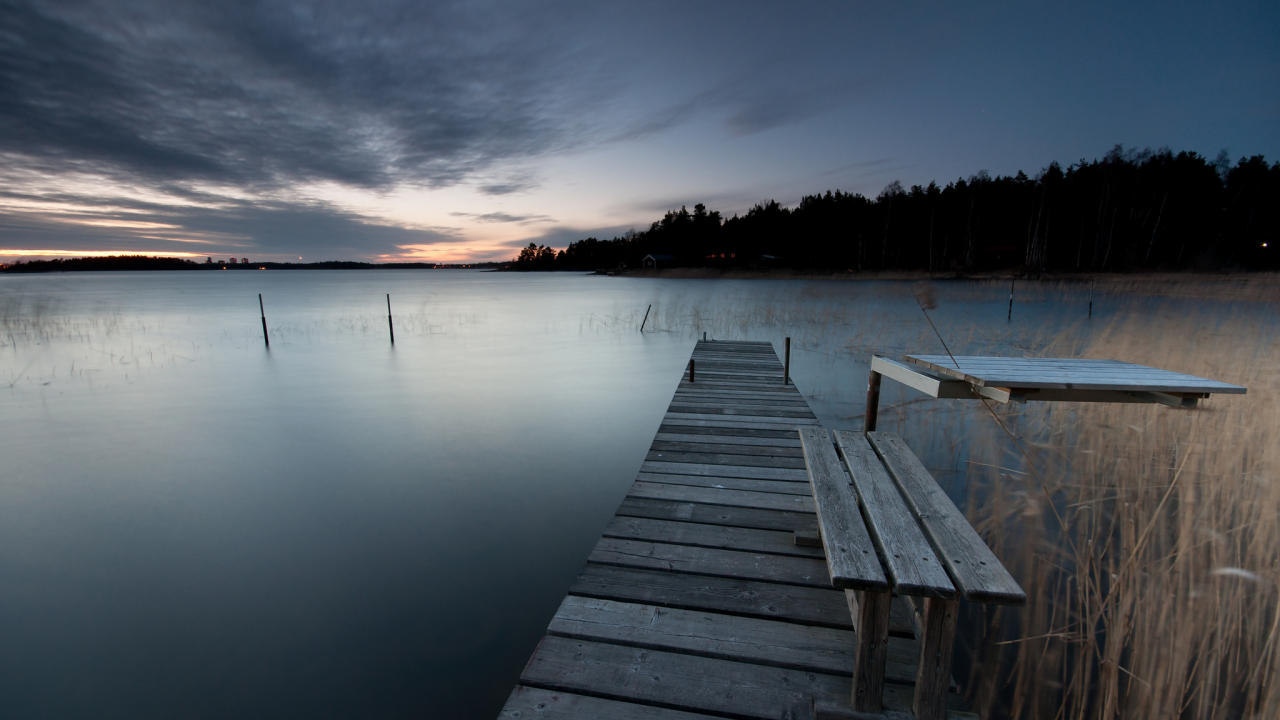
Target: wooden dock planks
x,y
697,602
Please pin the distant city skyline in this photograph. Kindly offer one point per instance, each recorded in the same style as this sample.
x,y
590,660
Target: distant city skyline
x,y
460,132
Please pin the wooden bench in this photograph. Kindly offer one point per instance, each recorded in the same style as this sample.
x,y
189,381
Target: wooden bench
x,y
887,527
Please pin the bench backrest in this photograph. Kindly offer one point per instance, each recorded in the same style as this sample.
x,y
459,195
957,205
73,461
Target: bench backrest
x,y
972,566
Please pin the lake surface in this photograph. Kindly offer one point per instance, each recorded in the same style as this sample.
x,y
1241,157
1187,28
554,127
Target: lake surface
x,y
194,525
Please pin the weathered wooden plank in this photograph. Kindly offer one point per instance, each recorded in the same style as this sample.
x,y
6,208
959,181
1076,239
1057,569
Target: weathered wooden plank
x,y
714,562
699,390
746,354
851,558
904,550
919,378
689,682
743,471
744,382
785,487
789,521
731,388
744,434
1069,373
720,422
738,459
726,370
529,703
749,363
739,388
704,446
725,439
673,532
897,706
750,411
756,420
743,407
974,569
748,598
770,370
719,496
769,403
685,682
729,637
789,603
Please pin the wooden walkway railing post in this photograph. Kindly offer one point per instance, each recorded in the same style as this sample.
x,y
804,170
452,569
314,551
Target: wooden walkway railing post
x,y
786,362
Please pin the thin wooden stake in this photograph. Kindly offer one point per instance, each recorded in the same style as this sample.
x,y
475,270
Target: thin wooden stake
x,y
1011,284
786,362
646,317
263,310
704,336
1091,298
390,327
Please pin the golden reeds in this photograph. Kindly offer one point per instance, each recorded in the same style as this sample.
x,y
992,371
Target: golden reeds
x,y
1159,597
1147,538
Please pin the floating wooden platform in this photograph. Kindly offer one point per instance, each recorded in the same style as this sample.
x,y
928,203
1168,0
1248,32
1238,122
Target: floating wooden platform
x,y
697,601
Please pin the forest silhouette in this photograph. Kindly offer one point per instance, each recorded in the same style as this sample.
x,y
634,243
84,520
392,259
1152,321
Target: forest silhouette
x,y
1131,210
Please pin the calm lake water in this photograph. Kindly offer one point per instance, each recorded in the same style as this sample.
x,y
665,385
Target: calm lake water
x,y
193,525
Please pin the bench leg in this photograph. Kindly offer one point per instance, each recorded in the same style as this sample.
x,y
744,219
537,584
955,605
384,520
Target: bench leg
x,y
933,676
870,611
873,402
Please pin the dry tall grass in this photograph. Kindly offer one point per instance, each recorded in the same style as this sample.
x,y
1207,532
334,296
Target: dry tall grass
x,y
1147,538
1150,551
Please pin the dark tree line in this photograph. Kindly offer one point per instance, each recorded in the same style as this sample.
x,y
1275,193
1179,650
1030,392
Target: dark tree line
x,y
1131,210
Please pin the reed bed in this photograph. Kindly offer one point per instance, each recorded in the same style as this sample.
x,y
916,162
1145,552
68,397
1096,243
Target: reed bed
x,y
1147,538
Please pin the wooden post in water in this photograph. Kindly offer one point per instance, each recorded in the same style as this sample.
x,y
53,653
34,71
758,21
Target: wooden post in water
x,y
646,317
1011,284
704,336
390,327
690,369
786,362
1091,298
873,402
263,310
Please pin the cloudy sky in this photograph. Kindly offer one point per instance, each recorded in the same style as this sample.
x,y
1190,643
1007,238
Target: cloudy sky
x,y
461,131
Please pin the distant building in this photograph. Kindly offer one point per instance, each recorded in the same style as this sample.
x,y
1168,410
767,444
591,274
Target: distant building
x,y
208,261
244,261
232,261
658,261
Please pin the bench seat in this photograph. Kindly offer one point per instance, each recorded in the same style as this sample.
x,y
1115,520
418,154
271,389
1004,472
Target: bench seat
x,y
888,528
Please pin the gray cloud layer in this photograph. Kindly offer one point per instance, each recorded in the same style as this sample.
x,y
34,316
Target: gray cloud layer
x,y
260,94
214,102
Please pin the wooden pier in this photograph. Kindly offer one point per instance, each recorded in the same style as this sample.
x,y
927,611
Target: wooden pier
x,y
698,600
